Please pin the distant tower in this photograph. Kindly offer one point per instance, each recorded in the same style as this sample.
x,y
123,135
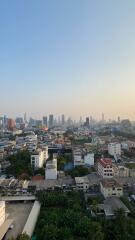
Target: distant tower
x,y
103,117
45,121
87,122
118,119
4,121
51,120
80,121
11,124
63,119
25,118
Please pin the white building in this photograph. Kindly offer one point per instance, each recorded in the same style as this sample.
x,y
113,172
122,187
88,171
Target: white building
x,y
110,188
89,159
51,169
38,158
114,149
78,159
105,168
82,183
2,212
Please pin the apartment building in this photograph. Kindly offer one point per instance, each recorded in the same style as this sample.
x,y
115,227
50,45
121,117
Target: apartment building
x,y
38,158
105,168
110,188
82,183
114,149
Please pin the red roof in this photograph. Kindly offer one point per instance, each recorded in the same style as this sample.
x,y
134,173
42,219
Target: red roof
x,y
37,178
105,162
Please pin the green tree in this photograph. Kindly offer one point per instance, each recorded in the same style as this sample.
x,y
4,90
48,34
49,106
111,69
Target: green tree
x,y
23,236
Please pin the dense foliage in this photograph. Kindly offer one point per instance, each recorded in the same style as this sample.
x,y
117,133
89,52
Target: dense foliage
x,y
78,171
63,159
63,217
23,237
20,164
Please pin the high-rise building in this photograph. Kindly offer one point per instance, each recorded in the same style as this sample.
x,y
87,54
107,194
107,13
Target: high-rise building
x,y
45,121
11,124
19,120
5,120
80,121
103,118
63,119
25,118
51,120
87,123
118,119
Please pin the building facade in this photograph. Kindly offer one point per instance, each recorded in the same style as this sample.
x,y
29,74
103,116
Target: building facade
x,y
38,158
114,149
82,183
110,188
105,168
89,159
51,170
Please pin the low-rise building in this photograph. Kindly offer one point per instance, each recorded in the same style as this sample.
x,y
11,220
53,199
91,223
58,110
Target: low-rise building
x,y
113,204
51,169
82,183
123,171
2,212
105,168
110,188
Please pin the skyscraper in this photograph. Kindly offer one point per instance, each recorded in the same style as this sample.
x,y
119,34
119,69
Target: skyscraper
x,y
51,121
25,118
87,123
45,121
103,118
11,124
63,119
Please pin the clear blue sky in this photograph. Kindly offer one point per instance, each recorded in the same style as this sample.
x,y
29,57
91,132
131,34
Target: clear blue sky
x,y
67,56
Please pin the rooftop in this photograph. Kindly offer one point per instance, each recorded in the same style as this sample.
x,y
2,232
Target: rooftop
x,y
109,183
112,204
105,162
81,179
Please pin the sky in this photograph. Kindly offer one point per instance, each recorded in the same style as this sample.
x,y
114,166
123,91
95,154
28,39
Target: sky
x,y
75,57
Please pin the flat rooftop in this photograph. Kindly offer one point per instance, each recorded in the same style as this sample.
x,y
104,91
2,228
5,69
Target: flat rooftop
x,y
81,180
112,204
19,213
108,183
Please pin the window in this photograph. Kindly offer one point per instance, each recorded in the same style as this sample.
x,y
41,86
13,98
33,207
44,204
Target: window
x,y
119,189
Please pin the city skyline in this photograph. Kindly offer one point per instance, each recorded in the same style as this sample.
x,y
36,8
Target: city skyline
x,y
61,117
72,57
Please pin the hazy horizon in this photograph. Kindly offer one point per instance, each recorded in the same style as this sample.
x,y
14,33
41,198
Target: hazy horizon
x,y
73,57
